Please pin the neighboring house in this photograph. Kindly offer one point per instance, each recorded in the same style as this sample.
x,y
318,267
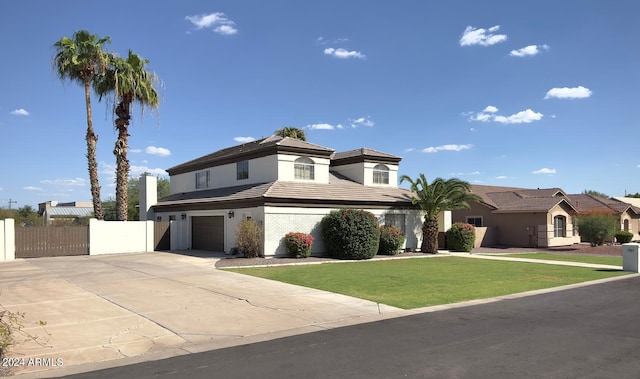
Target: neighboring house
x,y
286,185
520,217
628,213
53,212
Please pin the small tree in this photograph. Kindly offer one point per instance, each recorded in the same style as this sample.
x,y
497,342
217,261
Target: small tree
x,y
249,238
596,227
351,234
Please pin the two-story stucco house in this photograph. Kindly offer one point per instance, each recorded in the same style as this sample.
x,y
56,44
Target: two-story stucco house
x,y
287,185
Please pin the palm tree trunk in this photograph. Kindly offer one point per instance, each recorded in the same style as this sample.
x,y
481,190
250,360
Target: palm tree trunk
x,y
92,140
122,162
429,236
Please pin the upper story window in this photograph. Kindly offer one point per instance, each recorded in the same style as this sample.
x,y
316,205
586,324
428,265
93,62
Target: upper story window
x,y
304,169
242,170
202,179
559,226
380,174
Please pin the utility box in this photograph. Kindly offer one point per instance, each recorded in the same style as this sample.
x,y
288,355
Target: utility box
x,y
630,257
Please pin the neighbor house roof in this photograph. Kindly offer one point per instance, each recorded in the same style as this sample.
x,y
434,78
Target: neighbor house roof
x,y
590,203
65,211
255,149
514,200
340,191
629,200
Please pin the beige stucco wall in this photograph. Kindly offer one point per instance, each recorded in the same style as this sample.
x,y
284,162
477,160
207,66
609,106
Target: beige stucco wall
x,y
7,240
362,173
634,223
130,237
286,169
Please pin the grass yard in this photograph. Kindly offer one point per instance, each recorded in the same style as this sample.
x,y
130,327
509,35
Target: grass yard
x,y
615,261
421,282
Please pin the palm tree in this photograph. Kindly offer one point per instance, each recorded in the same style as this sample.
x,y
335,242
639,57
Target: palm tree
x,y
441,195
80,59
129,82
292,132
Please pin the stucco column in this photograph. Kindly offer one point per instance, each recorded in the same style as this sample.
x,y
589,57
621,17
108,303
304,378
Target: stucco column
x,y
148,189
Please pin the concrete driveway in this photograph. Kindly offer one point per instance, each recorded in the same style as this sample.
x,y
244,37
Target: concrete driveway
x,y
136,307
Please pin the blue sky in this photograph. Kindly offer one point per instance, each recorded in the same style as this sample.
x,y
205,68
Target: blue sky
x,y
536,94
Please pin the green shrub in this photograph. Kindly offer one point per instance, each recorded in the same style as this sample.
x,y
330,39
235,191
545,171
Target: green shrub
x,y
596,227
461,237
350,234
249,238
391,239
623,237
298,244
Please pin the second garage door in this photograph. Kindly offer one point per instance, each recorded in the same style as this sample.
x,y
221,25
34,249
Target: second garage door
x,y
207,233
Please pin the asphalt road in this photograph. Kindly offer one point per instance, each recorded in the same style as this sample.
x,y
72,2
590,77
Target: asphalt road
x,y
588,332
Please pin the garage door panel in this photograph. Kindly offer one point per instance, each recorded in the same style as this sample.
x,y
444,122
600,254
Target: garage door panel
x,y
207,233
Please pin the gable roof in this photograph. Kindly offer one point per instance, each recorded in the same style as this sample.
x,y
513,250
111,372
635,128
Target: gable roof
x,y
70,211
589,203
340,191
514,199
255,149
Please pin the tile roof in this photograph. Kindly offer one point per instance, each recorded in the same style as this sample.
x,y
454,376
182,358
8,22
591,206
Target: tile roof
x,y
364,152
589,203
338,190
513,199
261,147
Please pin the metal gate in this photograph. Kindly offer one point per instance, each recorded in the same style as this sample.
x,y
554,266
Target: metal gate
x,y
51,241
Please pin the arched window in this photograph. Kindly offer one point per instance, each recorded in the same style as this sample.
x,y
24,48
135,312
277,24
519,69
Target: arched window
x,y
304,168
559,226
380,174
626,225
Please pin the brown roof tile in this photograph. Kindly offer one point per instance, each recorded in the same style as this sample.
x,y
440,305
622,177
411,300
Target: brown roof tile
x,y
513,199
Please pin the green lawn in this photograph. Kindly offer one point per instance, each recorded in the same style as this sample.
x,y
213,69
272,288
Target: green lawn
x,y
615,261
421,282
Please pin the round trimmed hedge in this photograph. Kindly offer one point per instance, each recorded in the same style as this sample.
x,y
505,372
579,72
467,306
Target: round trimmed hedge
x,y
350,234
461,237
391,239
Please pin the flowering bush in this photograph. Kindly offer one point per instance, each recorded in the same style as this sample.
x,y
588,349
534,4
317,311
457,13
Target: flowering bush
x,y
298,244
391,239
249,238
350,234
461,237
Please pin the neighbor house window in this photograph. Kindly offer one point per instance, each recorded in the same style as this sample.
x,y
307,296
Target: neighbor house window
x,y
304,169
475,221
396,220
380,174
202,179
626,225
242,170
559,226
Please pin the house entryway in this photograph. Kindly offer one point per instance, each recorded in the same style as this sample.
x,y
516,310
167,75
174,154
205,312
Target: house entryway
x,y
207,233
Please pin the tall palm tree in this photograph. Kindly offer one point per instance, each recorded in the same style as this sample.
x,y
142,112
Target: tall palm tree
x,y
129,82
80,59
292,132
441,195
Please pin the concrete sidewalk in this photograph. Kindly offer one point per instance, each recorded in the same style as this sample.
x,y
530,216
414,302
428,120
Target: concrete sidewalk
x,y
541,261
113,310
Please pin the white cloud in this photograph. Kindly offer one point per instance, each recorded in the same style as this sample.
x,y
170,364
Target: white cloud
x,y
545,171
435,149
19,112
109,170
161,151
218,21
464,173
362,121
322,126
501,177
343,53
32,188
323,41
135,150
65,182
410,149
139,170
529,50
244,139
579,92
522,117
480,36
